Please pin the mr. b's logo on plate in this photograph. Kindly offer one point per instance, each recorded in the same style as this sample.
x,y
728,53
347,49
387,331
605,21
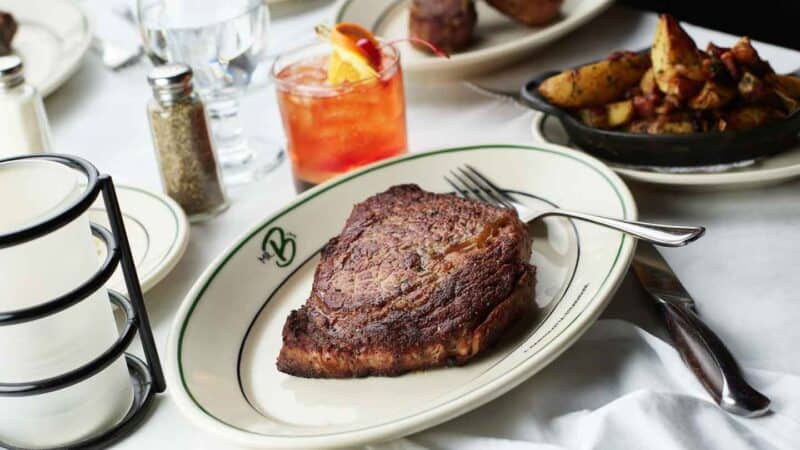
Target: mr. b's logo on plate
x,y
278,246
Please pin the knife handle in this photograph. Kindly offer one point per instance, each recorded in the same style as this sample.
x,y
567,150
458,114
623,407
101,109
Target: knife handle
x,y
711,362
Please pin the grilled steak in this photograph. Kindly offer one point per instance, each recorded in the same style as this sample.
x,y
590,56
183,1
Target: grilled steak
x,y
8,28
415,280
447,24
529,12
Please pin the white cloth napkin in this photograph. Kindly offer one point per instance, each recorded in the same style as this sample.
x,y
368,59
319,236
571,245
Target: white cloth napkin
x,y
618,388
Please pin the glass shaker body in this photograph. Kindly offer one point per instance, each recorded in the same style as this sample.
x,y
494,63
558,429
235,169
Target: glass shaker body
x,y
23,123
186,157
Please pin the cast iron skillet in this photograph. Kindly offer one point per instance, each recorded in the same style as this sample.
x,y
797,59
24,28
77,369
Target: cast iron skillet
x,y
672,150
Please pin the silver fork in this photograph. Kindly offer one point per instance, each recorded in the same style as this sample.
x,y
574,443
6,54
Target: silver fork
x,y
470,183
114,56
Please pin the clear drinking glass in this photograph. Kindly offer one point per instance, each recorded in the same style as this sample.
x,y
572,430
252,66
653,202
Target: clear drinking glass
x,y
225,44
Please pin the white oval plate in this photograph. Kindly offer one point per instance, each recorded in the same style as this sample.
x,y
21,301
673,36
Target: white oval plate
x,y
498,39
157,229
52,39
227,333
771,170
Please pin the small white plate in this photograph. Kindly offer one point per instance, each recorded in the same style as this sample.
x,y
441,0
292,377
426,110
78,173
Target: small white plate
x,y
227,332
498,39
771,170
157,229
52,38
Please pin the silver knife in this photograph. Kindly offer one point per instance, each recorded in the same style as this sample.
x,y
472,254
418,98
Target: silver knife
x,y
700,348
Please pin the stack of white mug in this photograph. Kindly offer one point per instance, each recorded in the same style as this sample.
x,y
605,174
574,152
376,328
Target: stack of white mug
x,y
34,272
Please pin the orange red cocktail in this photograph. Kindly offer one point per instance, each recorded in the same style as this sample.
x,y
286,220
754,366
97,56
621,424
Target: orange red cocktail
x,y
338,112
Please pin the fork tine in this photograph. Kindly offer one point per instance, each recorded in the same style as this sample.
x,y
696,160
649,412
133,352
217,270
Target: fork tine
x,y
509,200
470,187
459,191
488,190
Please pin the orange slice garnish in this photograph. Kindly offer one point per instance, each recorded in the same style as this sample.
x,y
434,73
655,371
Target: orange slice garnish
x,y
348,61
346,35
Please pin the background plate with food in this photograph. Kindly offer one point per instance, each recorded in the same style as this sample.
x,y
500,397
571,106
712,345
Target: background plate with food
x,y
228,332
674,105
500,35
52,38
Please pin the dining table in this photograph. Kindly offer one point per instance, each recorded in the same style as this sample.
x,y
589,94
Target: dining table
x,y
622,385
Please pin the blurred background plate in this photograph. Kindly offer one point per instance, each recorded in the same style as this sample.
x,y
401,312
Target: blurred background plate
x,y
498,39
52,39
157,230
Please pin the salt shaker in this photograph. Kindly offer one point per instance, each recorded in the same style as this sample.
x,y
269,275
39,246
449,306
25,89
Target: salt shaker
x,y
182,139
23,128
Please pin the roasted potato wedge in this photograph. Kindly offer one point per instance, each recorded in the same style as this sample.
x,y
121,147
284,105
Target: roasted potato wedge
x,y
595,117
790,105
620,113
612,115
712,96
677,64
648,83
676,89
667,125
746,117
595,84
787,84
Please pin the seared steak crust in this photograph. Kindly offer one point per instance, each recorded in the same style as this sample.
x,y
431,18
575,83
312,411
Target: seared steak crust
x,y
447,24
415,280
8,28
529,12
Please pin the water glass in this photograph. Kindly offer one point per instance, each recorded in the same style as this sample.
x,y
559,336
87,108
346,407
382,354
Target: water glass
x,y
225,44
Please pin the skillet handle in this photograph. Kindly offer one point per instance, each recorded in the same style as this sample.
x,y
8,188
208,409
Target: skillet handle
x,y
530,95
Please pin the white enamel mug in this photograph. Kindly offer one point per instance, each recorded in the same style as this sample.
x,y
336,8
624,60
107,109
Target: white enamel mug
x,y
32,273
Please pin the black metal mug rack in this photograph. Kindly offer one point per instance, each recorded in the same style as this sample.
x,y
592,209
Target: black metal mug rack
x,y
147,378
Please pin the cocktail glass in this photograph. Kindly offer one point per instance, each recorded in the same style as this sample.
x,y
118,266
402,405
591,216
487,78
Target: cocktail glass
x,y
332,129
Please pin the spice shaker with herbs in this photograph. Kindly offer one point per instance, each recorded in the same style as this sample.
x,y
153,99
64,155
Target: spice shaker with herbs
x,y
184,149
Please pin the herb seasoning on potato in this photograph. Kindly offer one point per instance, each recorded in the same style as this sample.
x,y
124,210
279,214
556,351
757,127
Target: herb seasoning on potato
x,y
676,88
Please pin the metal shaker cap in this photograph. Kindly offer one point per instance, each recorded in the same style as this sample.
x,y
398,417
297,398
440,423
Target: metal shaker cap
x,y
170,81
11,71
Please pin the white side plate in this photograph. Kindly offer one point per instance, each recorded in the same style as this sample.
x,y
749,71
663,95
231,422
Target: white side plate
x,y
157,229
227,332
52,39
498,39
771,170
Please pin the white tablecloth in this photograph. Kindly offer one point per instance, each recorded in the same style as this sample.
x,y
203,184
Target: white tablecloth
x,y
620,386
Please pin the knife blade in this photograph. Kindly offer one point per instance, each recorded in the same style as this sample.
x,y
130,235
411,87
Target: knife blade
x,y
701,349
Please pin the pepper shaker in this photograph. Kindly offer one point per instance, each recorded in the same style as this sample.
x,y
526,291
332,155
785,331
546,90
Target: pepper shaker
x,y
23,128
184,148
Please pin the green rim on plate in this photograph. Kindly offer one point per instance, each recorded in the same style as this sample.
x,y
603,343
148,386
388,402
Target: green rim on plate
x,y
208,279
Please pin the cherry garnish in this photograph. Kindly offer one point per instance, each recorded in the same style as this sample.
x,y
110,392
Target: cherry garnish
x,y
371,51
432,47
